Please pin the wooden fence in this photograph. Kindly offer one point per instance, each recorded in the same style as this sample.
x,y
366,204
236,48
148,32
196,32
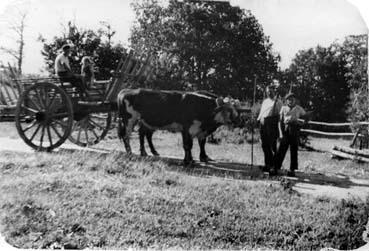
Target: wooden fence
x,y
334,130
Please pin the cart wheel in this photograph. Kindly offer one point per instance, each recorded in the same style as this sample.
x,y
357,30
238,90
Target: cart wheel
x,y
91,129
44,116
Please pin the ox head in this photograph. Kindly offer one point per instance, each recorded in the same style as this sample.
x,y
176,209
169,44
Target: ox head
x,y
226,112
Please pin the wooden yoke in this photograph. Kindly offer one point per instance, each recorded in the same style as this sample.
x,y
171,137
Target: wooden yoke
x,y
133,68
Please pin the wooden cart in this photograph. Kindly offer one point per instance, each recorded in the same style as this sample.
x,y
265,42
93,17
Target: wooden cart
x,y
48,111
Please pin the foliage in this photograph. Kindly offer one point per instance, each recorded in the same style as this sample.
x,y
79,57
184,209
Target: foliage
x,y
87,200
324,79
204,45
355,53
85,42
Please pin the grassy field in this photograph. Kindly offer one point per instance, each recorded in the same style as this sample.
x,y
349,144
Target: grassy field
x,y
80,199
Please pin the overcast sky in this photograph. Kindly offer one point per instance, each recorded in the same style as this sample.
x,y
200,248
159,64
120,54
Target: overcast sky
x,y
291,24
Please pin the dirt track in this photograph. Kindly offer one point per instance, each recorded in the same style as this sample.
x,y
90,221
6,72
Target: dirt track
x,y
335,185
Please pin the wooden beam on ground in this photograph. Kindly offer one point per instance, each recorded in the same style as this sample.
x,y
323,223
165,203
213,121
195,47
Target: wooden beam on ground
x,y
353,151
349,156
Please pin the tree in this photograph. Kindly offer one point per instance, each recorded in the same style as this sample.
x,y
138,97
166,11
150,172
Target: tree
x,y
17,26
355,51
318,77
207,45
333,80
86,42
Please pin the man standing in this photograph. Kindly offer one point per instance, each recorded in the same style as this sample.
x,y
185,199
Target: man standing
x,y
64,71
289,128
268,118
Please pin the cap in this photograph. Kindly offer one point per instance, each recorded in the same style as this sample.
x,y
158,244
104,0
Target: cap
x,y
66,46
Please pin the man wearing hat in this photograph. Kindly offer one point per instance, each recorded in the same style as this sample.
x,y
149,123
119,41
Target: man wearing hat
x,y
268,119
289,128
64,71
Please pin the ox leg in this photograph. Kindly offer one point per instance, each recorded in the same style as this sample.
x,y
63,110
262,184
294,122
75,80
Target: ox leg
x,y
123,134
125,128
203,156
149,134
142,133
187,146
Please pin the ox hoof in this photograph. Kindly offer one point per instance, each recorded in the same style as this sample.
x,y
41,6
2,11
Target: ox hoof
x,y
205,159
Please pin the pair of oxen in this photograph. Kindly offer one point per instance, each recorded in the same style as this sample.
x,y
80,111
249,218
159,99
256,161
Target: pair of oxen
x,y
193,114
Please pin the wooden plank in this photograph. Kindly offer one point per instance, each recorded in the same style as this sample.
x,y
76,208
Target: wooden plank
x,y
12,88
126,63
331,134
356,152
349,156
9,98
2,97
334,124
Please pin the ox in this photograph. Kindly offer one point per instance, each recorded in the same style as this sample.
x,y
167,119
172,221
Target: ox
x,y
145,132
192,114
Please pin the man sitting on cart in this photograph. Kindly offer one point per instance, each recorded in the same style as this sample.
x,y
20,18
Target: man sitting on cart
x,y
64,71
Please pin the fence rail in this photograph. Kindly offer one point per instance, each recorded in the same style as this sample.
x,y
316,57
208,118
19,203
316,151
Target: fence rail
x,y
335,124
329,134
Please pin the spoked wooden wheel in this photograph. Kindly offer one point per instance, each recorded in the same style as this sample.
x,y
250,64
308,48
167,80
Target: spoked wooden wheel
x,y
91,129
44,116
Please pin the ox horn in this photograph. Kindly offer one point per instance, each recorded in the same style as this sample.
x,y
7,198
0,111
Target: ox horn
x,y
220,101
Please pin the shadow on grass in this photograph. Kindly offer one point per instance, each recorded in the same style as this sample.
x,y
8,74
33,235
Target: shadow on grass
x,y
244,171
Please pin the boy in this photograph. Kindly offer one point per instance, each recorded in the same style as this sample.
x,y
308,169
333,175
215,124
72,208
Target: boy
x,y
87,71
289,128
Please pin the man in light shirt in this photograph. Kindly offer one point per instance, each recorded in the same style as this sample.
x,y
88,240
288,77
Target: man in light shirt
x,y
64,71
289,129
268,118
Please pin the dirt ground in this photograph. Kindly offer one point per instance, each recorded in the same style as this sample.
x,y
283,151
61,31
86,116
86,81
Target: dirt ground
x,y
318,174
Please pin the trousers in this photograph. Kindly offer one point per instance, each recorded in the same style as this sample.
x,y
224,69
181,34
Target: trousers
x,y
74,79
269,136
290,140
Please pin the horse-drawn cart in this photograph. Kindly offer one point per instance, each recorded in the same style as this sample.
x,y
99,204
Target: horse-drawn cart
x,y
49,112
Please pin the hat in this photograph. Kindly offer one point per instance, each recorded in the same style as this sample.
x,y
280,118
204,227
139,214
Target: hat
x,y
65,47
290,95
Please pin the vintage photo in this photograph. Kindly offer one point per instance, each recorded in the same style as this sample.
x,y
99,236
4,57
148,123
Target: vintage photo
x,y
184,125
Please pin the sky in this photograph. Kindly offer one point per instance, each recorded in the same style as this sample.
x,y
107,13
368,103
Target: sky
x,y
292,25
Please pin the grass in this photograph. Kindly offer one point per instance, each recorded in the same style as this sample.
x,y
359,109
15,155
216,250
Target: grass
x,y
84,200
78,200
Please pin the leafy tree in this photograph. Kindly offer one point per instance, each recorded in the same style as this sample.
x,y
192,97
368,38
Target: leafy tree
x,y
333,80
206,45
354,50
85,42
317,76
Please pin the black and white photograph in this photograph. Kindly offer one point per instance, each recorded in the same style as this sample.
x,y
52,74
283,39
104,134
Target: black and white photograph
x,y
184,125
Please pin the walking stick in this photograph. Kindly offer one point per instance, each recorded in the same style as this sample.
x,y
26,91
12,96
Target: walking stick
x,y
252,124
